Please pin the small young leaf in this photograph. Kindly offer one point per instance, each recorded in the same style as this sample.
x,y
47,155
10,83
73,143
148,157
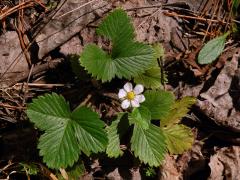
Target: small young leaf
x,y
235,5
113,147
149,145
66,133
212,50
179,138
30,168
178,110
158,102
140,116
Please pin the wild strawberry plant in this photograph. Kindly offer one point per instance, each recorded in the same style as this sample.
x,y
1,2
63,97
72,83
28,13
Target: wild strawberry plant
x,y
149,141
68,133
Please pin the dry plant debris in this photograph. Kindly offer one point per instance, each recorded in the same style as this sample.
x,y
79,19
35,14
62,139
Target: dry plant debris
x,y
28,62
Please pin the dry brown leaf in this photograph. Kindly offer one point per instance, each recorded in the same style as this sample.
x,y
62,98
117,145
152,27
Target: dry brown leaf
x,y
225,164
218,103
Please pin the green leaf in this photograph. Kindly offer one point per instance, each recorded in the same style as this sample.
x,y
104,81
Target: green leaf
x,y
58,145
117,27
212,49
66,133
178,110
113,147
151,78
76,171
127,58
98,63
47,111
179,138
159,50
30,168
89,130
140,116
235,5
133,59
158,102
149,144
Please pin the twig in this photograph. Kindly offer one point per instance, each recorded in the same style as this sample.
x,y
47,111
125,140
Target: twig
x,y
191,17
210,23
149,17
30,44
11,107
43,85
16,8
21,36
74,9
36,70
26,89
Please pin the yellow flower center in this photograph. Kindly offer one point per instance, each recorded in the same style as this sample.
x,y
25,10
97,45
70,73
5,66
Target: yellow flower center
x,y
130,95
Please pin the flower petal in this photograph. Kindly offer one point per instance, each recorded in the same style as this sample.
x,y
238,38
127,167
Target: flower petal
x,y
122,93
135,103
128,87
125,104
138,89
140,98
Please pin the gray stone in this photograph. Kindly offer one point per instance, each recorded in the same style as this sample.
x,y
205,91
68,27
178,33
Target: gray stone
x,y
10,49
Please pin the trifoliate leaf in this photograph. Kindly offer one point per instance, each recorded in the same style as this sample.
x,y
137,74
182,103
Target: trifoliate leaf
x,y
117,27
140,116
89,130
149,145
151,78
127,58
212,50
158,102
178,110
66,133
113,147
179,138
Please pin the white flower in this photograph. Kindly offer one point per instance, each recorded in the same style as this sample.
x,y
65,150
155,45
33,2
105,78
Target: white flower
x,y
131,97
